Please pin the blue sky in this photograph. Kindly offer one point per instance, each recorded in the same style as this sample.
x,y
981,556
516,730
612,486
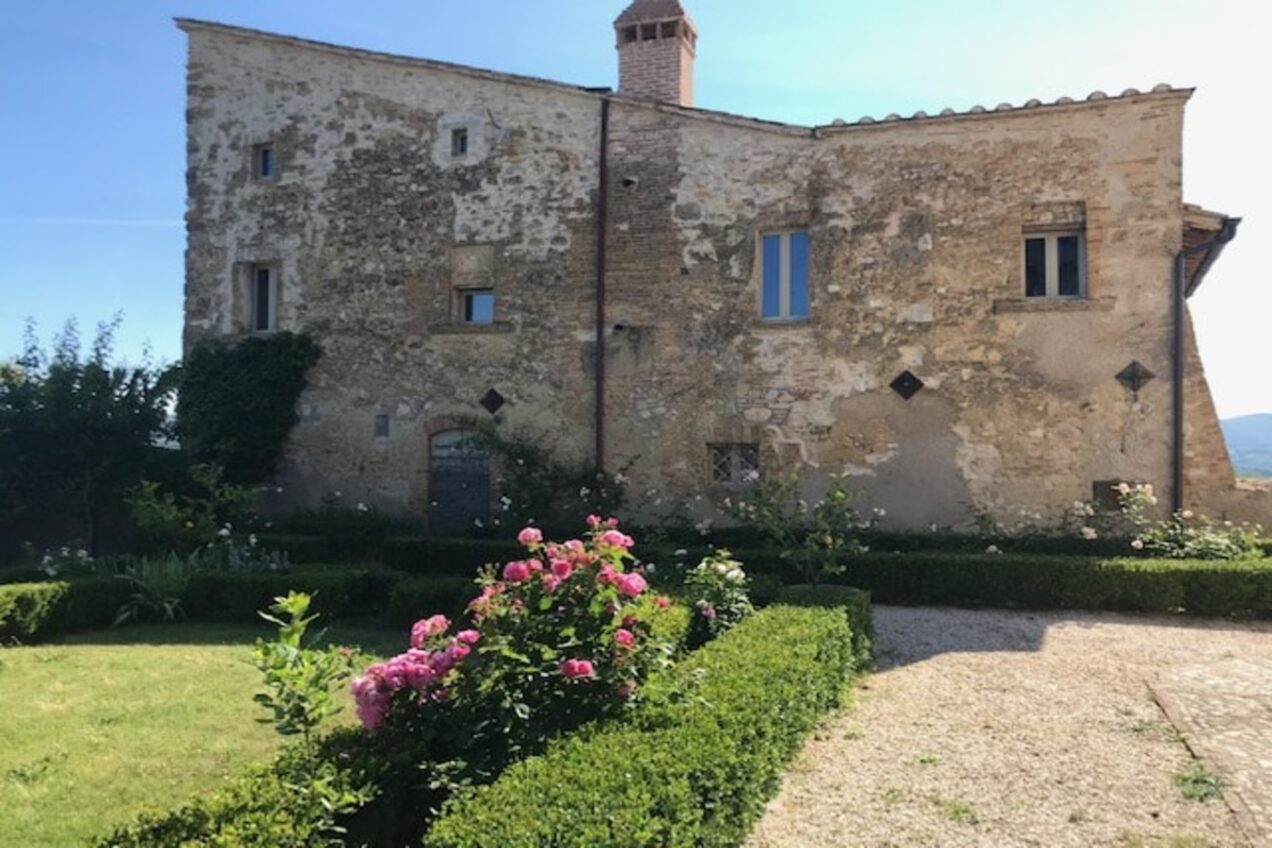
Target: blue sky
x,y
92,98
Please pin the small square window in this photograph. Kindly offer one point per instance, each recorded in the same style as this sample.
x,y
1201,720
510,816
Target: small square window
x,y
669,29
264,296
264,162
648,32
1055,265
478,306
459,142
735,463
382,426
630,34
784,276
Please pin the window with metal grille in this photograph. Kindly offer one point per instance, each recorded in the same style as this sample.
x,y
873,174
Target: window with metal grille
x,y
735,462
459,142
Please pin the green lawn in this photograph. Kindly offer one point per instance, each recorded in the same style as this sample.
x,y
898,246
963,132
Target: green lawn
x,y
100,726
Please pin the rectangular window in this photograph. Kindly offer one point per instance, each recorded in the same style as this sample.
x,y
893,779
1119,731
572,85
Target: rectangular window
x,y
264,162
478,306
382,426
263,297
1055,265
784,265
736,463
459,142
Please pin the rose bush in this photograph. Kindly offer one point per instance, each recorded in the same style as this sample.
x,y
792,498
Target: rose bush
x,y
717,587
562,636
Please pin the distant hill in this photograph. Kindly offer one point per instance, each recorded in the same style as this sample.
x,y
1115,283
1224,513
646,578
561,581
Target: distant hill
x,y
1250,443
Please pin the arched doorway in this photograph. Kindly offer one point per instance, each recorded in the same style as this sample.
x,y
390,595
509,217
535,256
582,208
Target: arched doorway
x,y
458,481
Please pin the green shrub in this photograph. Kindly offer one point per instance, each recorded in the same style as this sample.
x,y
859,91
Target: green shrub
x,y
299,548
692,768
855,602
232,596
1214,588
419,597
453,557
30,611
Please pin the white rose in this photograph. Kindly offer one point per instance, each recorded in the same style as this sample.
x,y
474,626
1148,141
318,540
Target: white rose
x,y
735,576
1089,533
1137,544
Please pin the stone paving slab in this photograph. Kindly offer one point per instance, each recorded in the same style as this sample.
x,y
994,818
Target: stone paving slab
x,y
1224,711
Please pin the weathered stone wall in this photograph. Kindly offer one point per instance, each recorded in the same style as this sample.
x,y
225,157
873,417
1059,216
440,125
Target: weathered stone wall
x,y
373,222
916,232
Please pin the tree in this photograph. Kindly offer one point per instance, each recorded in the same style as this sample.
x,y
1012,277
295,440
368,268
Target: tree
x,y
75,431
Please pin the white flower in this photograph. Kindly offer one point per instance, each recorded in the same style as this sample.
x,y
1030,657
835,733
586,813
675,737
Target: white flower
x,y
721,568
81,554
621,479
224,532
1089,533
1123,488
882,513
584,491
1137,544
735,576
362,507
1186,514
66,552
279,490
652,568
269,524
189,525
993,549
47,560
251,540
477,522
681,552
750,475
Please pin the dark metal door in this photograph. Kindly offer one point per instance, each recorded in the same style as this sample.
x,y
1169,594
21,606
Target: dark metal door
x,y
459,481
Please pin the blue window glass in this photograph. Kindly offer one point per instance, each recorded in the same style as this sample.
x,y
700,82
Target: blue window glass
x,y
1068,266
772,260
1035,267
799,275
479,307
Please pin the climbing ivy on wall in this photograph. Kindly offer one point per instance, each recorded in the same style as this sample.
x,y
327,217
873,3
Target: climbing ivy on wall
x,y
236,402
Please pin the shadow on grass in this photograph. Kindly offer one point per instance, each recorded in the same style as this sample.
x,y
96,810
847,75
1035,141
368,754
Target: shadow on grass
x,y
369,635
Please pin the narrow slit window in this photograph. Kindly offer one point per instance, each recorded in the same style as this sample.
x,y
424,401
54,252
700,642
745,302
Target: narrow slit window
x,y
262,299
478,307
265,162
382,426
784,264
459,142
1055,265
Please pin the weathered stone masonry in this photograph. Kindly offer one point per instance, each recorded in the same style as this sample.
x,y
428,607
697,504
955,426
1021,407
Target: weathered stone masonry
x,y
916,237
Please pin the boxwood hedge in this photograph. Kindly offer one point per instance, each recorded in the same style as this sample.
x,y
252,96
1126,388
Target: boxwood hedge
x,y
692,768
32,611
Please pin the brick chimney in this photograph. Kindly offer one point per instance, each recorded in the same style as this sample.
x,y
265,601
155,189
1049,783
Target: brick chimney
x,y
657,42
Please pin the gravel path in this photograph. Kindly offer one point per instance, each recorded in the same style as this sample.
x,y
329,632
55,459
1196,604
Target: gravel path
x,y
1010,729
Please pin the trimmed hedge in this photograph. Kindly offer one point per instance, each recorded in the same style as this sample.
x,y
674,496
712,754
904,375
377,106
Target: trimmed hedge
x,y
230,596
416,597
1210,588
694,768
31,611
449,557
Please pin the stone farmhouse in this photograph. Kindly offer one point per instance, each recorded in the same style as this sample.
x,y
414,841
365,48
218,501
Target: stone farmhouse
x,y
969,312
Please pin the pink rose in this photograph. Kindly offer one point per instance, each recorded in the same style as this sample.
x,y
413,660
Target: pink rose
x,y
575,669
468,637
458,651
626,690
593,521
662,602
616,539
562,568
551,582
708,611
530,536
516,572
427,628
631,585
607,576
624,638
574,546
